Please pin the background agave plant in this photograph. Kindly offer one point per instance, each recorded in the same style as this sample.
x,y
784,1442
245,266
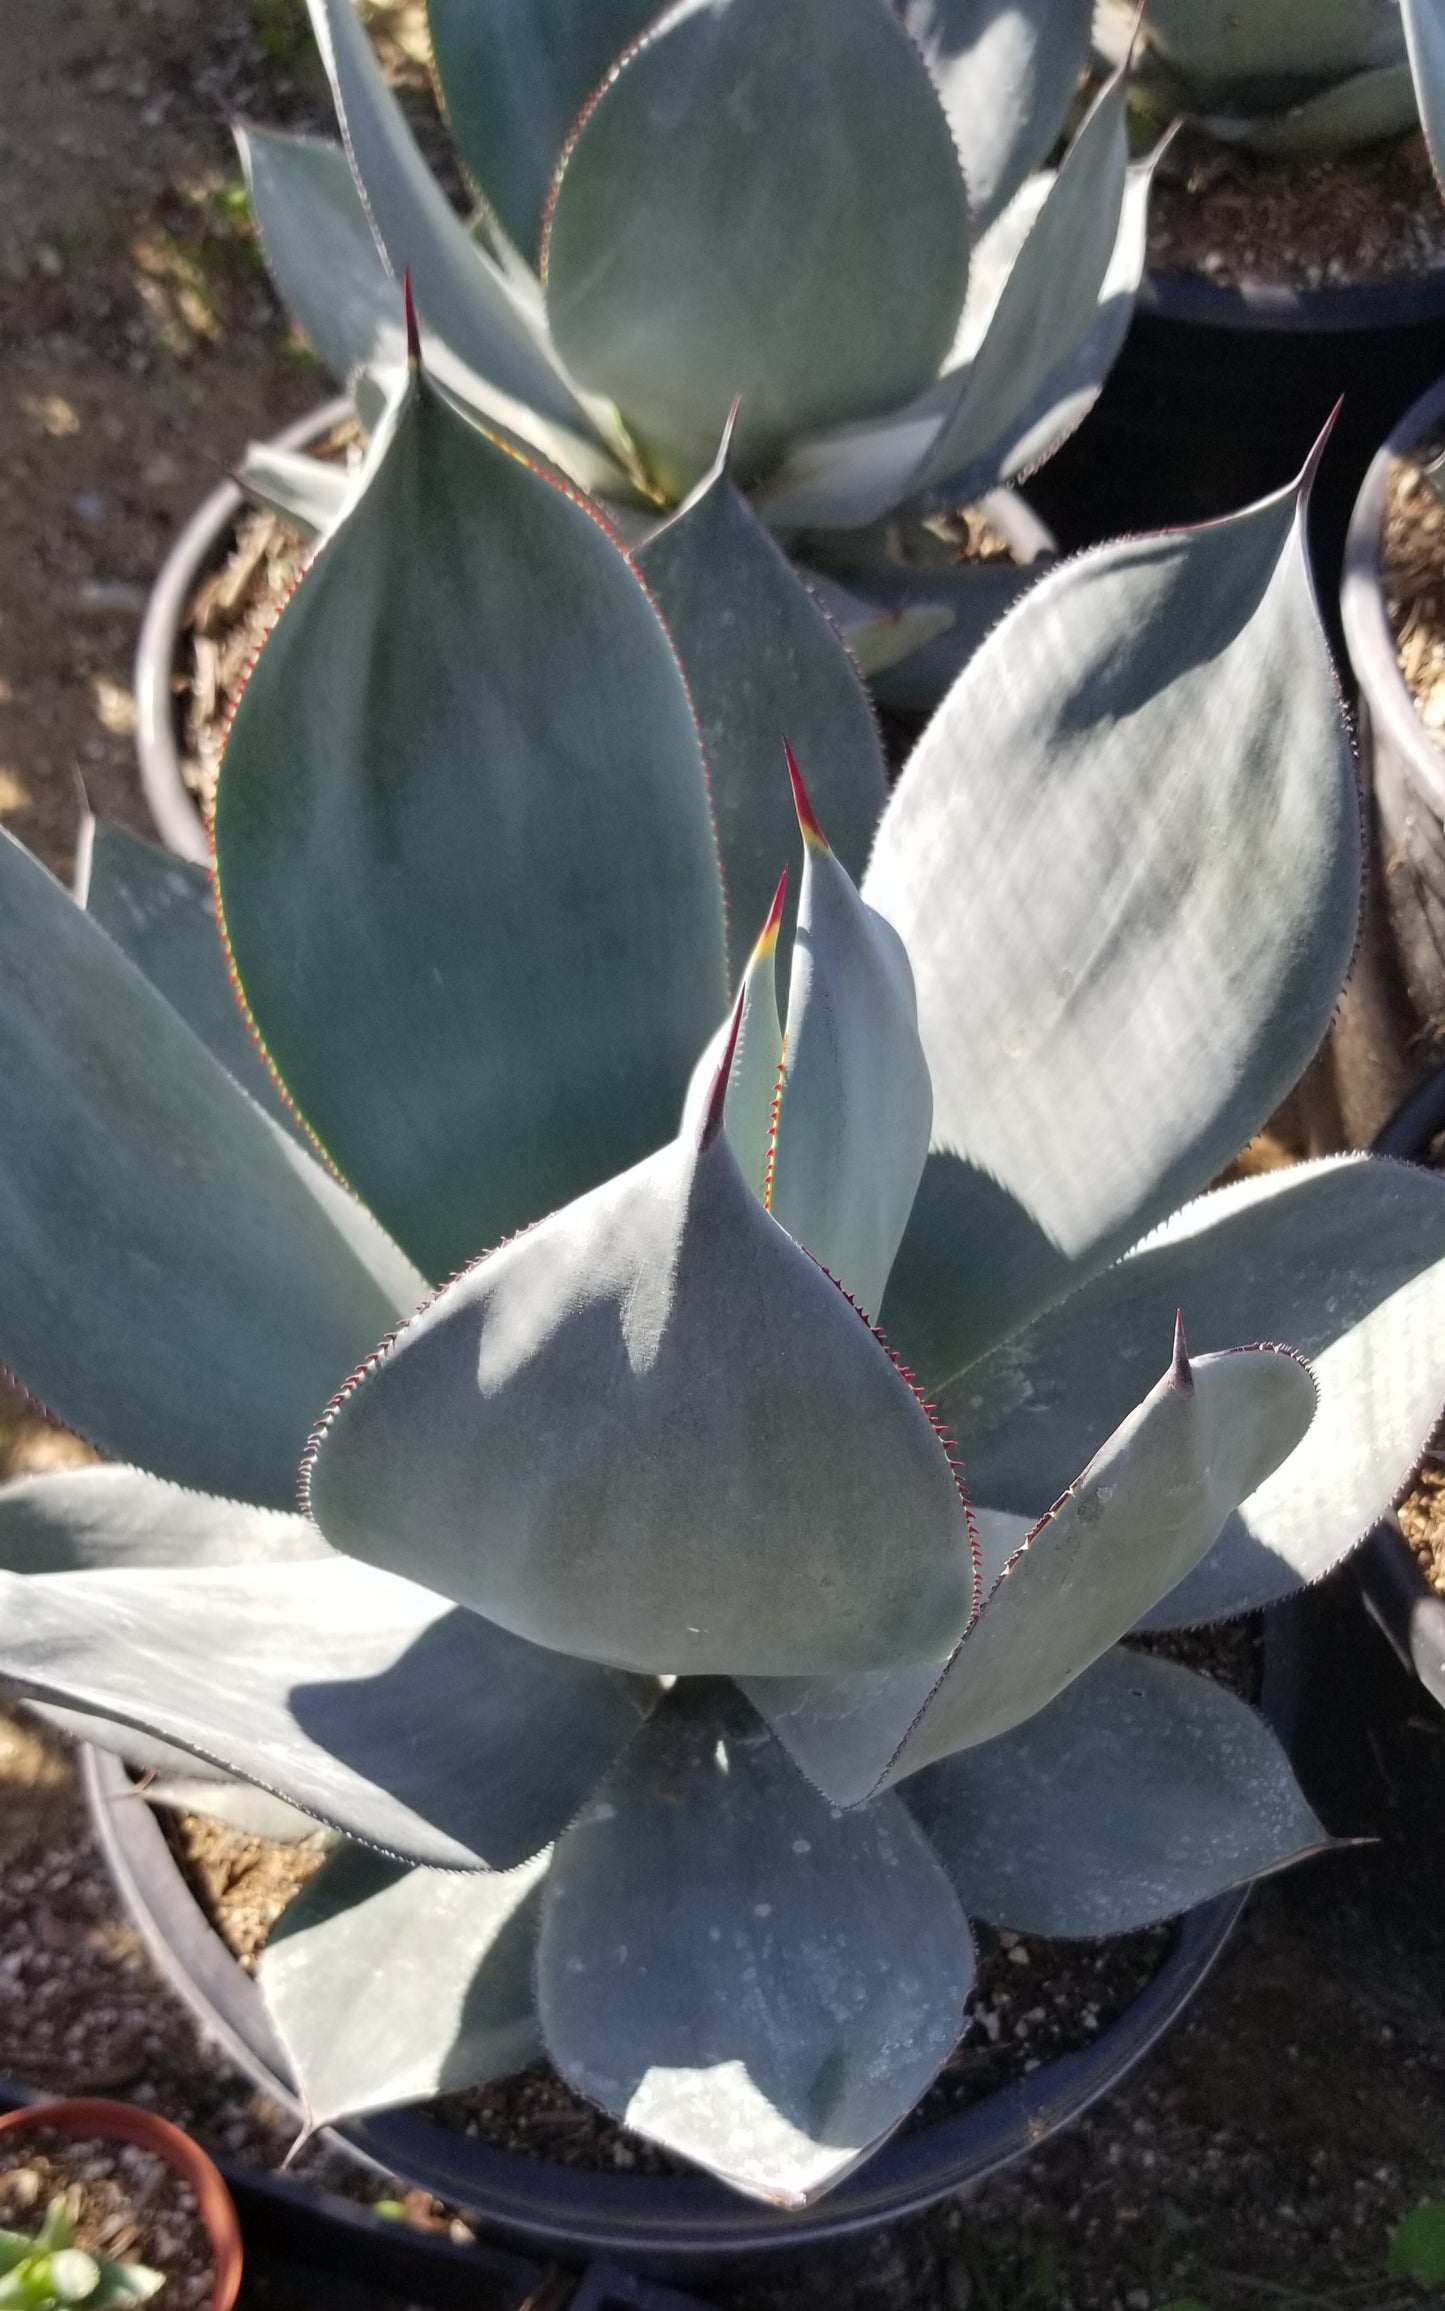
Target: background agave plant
x,y
750,200
470,884
1290,76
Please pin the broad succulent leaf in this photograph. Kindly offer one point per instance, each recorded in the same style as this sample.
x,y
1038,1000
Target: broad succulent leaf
x,y
1346,1259
395,738
361,1699
831,292
1360,110
762,658
434,1965
1142,1513
86,1519
464,295
308,492
876,637
1141,1790
1048,308
158,909
514,78
738,1972
1007,71
620,1431
853,1118
1424,22
183,1282
1142,780
756,1056
320,249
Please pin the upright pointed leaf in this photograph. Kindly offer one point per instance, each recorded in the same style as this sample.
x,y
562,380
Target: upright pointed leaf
x,y
459,290
762,659
183,1283
620,1431
366,1701
741,1974
1424,22
756,1048
830,292
85,1519
1141,781
1141,1790
469,714
1344,1258
308,492
390,1984
856,1105
1006,71
1144,1511
514,78
158,909
320,249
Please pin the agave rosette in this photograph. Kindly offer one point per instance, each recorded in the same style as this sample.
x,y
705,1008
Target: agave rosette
x,y
835,212
677,1710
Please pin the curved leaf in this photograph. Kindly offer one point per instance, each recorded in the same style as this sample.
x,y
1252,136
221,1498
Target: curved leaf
x,y
459,290
736,1971
1424,22
183,1283
1007,71
1141,1790
463,846
854,1113
86,1519
513,79
1269,55
830,291
1345,1258
1141,781
363,1700
762,659
438,1963
1357,111
320,249
158,909
1144,1511
651,1431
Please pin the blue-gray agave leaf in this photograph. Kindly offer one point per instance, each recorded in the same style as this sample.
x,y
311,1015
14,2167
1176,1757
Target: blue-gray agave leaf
x,y
1007,71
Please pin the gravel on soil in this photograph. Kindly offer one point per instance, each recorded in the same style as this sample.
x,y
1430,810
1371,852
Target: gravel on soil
x,y
1236,218
1412,574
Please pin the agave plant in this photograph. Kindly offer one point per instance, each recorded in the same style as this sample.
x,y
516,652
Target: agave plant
x,y
832,212
683,1675
1301,77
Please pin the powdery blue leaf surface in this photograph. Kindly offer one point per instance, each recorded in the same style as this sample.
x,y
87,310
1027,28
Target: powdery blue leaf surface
x,y
462,819
854,1115
320,249
183,1283
1007,71
737,1972
1141,781
358,1698
651,1431
389,1985
88,1519
830,292
762,660
756,1057
1141,1515
1141,1790
513,80
1345,1259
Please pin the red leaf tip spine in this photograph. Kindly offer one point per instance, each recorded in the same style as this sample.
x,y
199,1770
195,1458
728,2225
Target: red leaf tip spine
x,y
717,1098
813,835
768,936
1181,1377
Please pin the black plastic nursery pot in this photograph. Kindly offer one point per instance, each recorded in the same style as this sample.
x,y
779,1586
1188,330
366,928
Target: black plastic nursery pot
x,y
1396,1593
685,2226
1219,394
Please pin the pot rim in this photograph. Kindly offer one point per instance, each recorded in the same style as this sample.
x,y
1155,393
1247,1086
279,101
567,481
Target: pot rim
x,y
1384,696
90,2115
1348,307
673,2225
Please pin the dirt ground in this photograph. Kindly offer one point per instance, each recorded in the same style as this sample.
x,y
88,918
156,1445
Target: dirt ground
x,y
1260,2160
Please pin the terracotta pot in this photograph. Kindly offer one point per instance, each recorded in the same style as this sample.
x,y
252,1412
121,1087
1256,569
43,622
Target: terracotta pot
x,y
90,2117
